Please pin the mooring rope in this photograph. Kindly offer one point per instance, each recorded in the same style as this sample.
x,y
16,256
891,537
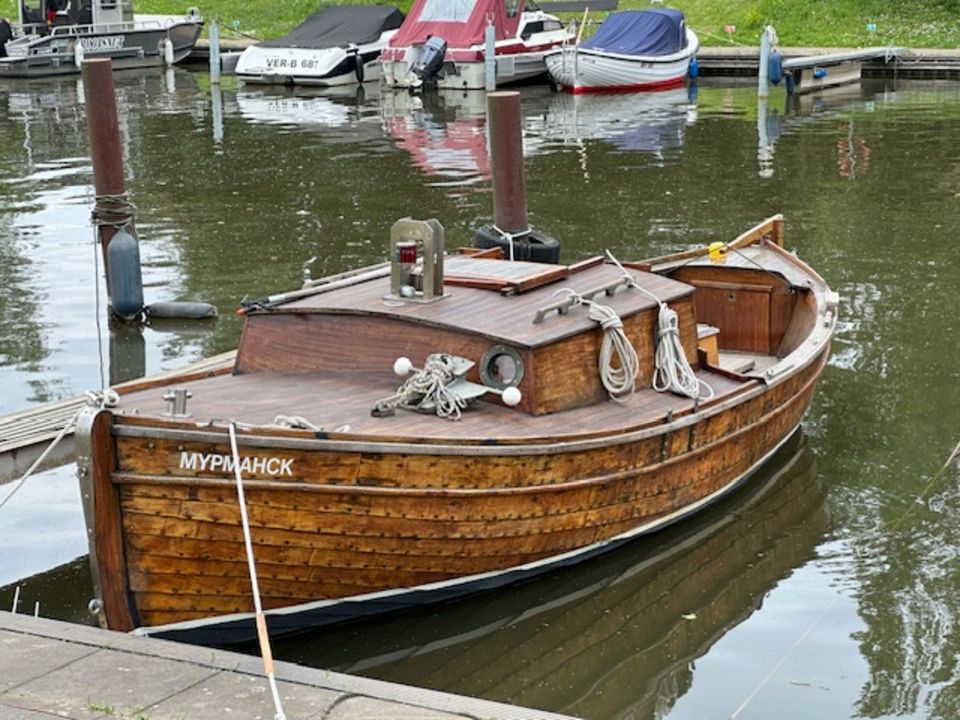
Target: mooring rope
x,y
113,210
108,398
509,238
426,387
262,633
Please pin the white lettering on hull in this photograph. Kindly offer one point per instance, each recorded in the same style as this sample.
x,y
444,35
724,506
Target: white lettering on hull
x,y
249,465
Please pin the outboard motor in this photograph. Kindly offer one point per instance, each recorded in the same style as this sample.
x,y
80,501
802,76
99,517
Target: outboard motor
x,y
430,61
6,35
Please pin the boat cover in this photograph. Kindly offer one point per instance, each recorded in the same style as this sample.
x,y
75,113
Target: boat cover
x,y
641,32
341,25
461,23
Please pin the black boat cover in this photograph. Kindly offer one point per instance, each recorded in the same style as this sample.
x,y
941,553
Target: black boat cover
x,y
340,25
641,32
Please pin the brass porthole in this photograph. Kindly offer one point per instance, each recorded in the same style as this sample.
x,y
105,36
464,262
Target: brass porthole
x,y
501,367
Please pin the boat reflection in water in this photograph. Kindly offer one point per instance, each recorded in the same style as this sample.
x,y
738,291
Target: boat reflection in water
x,y
444,132
612,638
631,122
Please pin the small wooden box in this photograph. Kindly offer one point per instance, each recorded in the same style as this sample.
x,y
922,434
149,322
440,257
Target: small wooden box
x,y
707,342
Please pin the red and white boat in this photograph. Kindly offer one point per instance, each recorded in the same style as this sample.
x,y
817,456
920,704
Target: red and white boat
x,y
455,31
634,50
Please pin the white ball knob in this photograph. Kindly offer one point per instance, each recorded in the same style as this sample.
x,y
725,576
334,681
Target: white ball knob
x,y
407,291
402,366
511,396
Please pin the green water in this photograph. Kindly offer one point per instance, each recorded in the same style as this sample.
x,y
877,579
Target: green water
x,y
830,592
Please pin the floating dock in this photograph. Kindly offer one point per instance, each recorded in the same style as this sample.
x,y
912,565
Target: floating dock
x,y
24,435
57,669
739,60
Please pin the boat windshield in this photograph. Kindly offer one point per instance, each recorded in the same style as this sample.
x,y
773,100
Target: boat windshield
x,y
447,10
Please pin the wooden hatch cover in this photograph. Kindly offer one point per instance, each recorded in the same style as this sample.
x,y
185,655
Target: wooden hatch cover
x,y
506,277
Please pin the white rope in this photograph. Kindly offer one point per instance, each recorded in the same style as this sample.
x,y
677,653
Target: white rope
x,y
103,399
618,362
672,372
509,237
262,633
295,422
427,387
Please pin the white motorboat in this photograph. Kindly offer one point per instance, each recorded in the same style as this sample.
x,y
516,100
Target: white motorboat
x,y
453,32
339,45
58,35
634,50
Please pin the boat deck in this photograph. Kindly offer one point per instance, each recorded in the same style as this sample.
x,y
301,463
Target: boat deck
x,y
333,400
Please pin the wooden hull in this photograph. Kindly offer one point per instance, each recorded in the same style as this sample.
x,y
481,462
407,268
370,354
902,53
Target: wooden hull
x,y
389,511
339,538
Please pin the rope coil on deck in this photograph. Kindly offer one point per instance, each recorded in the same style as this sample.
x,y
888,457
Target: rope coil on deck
x,y
426,391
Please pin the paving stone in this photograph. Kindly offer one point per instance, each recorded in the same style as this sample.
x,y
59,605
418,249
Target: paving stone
x,y
366,708
109,682
11,712
26,657
241,696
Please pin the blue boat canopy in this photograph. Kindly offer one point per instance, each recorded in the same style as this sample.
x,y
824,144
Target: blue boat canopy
x,y
641,32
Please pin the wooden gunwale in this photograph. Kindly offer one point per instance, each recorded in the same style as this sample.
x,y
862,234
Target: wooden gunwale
x,y
559,445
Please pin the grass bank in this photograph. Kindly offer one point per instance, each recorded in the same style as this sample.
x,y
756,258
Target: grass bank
x,y
835,23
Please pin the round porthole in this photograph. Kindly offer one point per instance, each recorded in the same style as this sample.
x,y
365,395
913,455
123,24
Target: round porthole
x,y
501,366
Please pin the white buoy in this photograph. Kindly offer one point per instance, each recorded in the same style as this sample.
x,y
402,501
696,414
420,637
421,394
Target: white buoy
x,y
402,366
511,396
168,51
78,54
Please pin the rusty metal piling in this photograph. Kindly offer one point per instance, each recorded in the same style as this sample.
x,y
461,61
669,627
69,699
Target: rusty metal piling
x,y
106,153
504,117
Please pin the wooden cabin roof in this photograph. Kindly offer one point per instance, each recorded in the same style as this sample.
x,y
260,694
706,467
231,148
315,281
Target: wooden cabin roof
x,y
504,318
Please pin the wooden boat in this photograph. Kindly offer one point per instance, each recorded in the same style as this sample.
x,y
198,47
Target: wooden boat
x,y
453,34
634,50
361,506
339,45
56,37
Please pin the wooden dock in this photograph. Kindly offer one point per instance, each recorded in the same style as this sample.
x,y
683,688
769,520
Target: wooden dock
x,y
737,60
57,669
24,435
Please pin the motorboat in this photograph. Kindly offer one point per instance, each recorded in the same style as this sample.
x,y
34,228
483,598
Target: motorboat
x,y
57,36
441,43
339,45
632,51
539,423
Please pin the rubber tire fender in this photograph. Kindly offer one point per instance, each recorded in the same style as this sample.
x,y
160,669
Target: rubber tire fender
x,y
534,246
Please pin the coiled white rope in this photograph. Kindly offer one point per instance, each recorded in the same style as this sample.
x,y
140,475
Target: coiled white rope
x,y
427,387
618,362
672,372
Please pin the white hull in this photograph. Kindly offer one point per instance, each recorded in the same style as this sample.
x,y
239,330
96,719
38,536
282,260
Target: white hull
x,y
587,70
327,67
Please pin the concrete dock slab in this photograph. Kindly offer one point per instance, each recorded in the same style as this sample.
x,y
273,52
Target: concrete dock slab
x,y
57,669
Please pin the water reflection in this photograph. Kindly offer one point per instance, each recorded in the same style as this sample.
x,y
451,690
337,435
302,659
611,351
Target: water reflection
x,y
610,639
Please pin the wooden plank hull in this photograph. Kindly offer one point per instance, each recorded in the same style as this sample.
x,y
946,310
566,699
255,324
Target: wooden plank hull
x,y
350,532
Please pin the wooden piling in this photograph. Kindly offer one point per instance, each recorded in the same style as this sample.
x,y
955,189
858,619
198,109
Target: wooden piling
x,y
106,152
504,119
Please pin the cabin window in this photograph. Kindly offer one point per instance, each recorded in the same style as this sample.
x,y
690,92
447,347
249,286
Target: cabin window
x,y
501,367
447,10
512,7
